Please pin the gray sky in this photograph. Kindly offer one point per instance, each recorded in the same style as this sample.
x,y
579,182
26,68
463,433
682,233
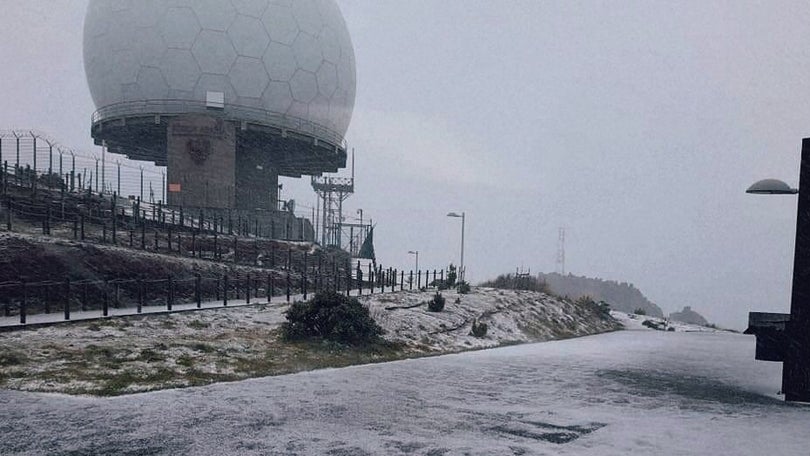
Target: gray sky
x,y
637,125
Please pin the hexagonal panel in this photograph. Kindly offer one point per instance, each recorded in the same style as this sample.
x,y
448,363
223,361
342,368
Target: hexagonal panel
x,y
126,66
248,36
304,86
180,69
179,27
307,16
215,14
152,84
319,112
124,29
148,13
329,41
280,62
249,77
214,83
253,8
307,52
151,46
277,97
214,52
327,79
299,110
280,24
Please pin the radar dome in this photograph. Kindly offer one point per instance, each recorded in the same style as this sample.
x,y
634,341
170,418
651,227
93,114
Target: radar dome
x,y
292,59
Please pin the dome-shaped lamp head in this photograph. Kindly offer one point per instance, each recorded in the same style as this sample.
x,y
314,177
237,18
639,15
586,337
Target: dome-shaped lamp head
x,y
771,187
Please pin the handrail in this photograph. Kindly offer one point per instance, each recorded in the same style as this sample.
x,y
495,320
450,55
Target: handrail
x,y
230,112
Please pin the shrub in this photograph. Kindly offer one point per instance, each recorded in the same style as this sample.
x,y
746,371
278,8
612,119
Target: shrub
x,y
437,303
331,316
640,311
479,329
463,287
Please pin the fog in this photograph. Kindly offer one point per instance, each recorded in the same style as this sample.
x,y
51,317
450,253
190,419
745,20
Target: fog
x,y
636,125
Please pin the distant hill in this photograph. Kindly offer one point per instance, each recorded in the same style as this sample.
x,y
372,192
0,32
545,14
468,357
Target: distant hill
x,y
687,315
622,296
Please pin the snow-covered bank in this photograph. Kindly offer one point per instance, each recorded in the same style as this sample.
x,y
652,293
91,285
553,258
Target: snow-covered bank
x,y
147,352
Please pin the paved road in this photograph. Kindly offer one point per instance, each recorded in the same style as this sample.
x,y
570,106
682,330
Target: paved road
x,y
630,392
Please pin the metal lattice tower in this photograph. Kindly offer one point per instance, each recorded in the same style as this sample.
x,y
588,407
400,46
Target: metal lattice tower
x,y
333,191
561,252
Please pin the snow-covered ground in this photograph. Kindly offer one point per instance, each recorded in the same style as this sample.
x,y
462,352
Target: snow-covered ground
x,y
628,392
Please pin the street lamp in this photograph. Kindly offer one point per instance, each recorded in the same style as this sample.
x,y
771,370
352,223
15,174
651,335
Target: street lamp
x,y
415,252
782,337
461,266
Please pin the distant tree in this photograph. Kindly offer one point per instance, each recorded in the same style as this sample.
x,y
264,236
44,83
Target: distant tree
x,y
452,275
640,311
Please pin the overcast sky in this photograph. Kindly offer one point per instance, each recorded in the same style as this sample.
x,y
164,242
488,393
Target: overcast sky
x,y
636,125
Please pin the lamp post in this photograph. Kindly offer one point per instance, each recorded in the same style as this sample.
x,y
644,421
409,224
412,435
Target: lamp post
x,y
461,266
794,347
415,252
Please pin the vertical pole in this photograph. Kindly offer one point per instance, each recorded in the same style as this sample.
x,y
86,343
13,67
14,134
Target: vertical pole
x,y
288,285
105,306
269,287
169,293
401,280
225,291
67,298
197,293
247,289
140,296
24,303
304,278
796,369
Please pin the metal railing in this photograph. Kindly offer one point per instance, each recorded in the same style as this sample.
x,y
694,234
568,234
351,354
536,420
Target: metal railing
x,y
230,112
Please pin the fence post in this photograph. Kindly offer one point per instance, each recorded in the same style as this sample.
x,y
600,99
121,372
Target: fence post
x,y
67,299
288,285
304,278
348,277
419,279
401,280
140,296
105,309
8,216
169,293
197,293
24,303
247,289
225,291
269,287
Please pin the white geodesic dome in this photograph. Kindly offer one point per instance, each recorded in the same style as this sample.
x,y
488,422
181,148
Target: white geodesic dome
x,y
287,57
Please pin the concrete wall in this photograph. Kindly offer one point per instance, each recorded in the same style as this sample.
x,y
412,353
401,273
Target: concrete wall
x,y
201,162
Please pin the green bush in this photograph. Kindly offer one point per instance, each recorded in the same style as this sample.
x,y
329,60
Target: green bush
x,y
437,303
331,316
463,287
640,311
479,329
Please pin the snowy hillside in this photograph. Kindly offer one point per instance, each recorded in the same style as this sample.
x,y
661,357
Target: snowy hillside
x,y
139,353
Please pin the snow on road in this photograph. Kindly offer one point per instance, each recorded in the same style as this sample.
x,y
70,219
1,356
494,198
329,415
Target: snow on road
x,y
628,392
